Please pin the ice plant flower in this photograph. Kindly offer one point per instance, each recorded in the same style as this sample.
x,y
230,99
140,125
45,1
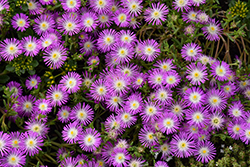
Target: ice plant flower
x,y
44,23
10,49
100,6
171,79
147,136
133,7
107,39
69,24
32,143
121,19
42,106
191,51
120,157
205,151
37,126
71,82
234,128
5,144
179,5
245,133
90,140
98,90
197,74
31,46
182,145
87,46
89,21
71,5
220,70
72,132
212,31
55,56
168,123
149,50
150,112
236,111
194,97
32,82
215,100
191,15
57,96
156,14
26,105
64,114
217,120
161,164
20,22
198,117
82,114
165,64
15,158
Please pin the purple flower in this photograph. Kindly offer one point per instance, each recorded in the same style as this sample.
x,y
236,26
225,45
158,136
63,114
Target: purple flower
x,y
44,23
26,105
122,53
98,90
32,82
205,151
202,17
113,101
90,140
64,114
45,2
191,51
136,162
149,50
55,56
34,7
161,164
120,157
113,123
191,15
171,79
36,126
147,136
17,88
213,30
155,78
229,89
133,103
182,4
178,108
168,123
69,24
216,100
150,112
220,70
133,7
217,120
87,46
31,46
163,96
182,145
71,82
32,143
139,80
5,143
164,149
42,106
165,65
72,132
245,133
15,158
234,128
156,14
105,20
106,152
82,114
197,73
69,161
10,49
198,2
93,61
194,97
127,119
236,111
20,22
89,21
106,40
71,5
121,19
15,139
198,117
100,6
189,30
134,23
4,4
57,96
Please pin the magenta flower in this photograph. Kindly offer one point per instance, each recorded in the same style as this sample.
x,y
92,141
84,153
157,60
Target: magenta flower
x,y
220,70
72,132
32,143
156,14
32,82
26,105
194,97
133,104
69,161
87,46
191,15
168,123
15,158
44,23
64,114
171,79
182,145
71,5
197,73
163,96
205,151
17,88
31,46
55,56
245,133
198,117
89,21
127,119
69,24
5,143
165,65
57,96
71,82
121,19
34,7
98,90
191,51
105,20
216,100
42,106
155,78
90,140
123,53
100,6
82,114
161,164
10,49
120,157
20,22
234,128
113,123
149,50
150,111
37,126
213,30
179,5
147,137
236,111
107,39
132,7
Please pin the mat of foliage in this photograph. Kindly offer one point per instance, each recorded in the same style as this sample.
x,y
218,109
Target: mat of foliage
x,y
124,83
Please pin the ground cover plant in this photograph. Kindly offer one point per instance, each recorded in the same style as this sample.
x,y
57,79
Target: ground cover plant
x,y
124,83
